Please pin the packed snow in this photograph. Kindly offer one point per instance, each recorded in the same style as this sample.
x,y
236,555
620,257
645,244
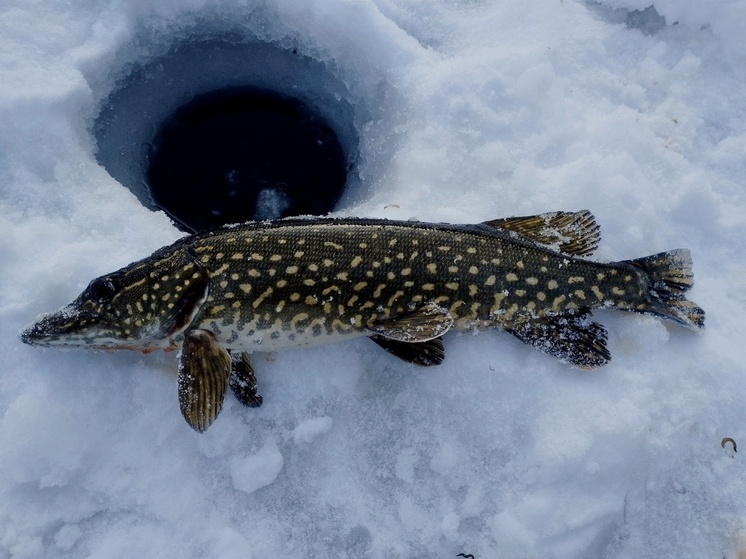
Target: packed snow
x,y
464,111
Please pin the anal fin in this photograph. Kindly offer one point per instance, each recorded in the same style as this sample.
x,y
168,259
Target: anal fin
x,y
243,381
204,370
423,324
424,354
572,338
571,233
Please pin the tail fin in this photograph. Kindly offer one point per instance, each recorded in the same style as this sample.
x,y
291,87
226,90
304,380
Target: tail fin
x,y
670,277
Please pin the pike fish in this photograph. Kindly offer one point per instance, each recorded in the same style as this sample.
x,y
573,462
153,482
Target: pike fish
x,y
296,283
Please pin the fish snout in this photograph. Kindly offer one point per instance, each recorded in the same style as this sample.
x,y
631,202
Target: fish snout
x,y
64,327
36,334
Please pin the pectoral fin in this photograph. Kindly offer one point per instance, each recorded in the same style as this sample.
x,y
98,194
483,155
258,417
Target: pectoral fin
x,y
428,322
572,233
424,354
243,381
192,292
574,338
204,370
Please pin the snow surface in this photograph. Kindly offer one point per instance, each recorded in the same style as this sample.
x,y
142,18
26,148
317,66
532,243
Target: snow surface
x,y
476,110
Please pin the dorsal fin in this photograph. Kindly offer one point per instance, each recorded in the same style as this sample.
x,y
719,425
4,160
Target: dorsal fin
x,y
572,233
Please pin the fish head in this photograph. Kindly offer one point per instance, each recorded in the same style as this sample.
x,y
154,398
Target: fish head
x,y
143,306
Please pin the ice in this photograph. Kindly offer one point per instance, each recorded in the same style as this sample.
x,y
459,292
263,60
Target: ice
x,y
307,431
721,17
463,112
270,204
194,65
258,470
648,20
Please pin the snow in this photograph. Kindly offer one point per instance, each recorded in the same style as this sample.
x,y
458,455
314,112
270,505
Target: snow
x,y
258,470
464,111
309,430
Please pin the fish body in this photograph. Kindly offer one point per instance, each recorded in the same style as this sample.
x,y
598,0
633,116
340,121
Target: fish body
x,y
302,282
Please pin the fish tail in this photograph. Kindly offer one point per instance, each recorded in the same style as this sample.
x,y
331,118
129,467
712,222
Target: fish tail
x,y
670,276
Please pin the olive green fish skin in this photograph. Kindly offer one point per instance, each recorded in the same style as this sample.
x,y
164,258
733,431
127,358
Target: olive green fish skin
x,y
294,285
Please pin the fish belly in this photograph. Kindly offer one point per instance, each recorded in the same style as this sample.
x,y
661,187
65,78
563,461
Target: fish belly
x,y
252,339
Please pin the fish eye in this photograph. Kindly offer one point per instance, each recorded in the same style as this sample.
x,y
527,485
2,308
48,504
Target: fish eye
x,y
102,289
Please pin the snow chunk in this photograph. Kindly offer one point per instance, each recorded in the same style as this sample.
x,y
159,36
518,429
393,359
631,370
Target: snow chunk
x,y
67,536
405,464
258,470
449,526
271,203
308,430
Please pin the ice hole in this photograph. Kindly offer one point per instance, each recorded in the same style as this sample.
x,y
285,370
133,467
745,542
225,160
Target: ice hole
x,y
241,154
216,132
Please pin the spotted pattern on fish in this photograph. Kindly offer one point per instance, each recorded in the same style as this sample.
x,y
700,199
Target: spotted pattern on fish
x,y
333,296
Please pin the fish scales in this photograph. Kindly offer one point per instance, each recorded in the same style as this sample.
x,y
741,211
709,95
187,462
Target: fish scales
x,y
297,283
336,279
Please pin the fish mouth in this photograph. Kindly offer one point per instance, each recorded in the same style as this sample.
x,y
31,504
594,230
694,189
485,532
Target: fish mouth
x,y
67,327
33,335
71,328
